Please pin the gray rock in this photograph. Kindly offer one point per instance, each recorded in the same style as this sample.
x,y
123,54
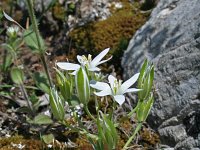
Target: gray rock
x,y
172,134
171,40
91,9
187,144
85,11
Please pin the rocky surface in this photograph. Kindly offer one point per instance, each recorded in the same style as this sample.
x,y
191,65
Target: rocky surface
x,y
171,40
74,12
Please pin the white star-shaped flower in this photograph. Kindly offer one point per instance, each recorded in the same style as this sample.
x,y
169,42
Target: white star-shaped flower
x,y
89,63
116,89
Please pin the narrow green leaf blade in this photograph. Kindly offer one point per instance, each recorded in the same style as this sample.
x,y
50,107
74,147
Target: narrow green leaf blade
x,y
57,105
148,107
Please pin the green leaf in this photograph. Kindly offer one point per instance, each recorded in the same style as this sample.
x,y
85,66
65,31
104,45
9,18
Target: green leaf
x,y
107,132
57,105
8,47
146,86
31,41
41,82
42,119
1,14
148,82
33,98
24,109
141,78
29,120
100,133
48,139
140,111
60,77
7,62
17,75
151,77
64,85
113,131
65,90
144,109
148,106
109,140
16,44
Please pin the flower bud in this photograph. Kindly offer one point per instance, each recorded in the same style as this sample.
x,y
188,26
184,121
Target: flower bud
x,y
82,86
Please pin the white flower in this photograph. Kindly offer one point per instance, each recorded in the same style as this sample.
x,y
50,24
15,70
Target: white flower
x,y
87,62
116,89
12,31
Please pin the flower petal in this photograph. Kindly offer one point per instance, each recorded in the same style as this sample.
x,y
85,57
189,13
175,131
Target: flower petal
x,y
132,90
103,93
100,86
129,83
68,66
73,73
98,58
120,99
80,59
103,61
94,69
111,80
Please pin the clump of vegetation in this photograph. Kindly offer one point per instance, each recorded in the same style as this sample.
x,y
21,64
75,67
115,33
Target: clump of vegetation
x,y
149,138
17,142
59,11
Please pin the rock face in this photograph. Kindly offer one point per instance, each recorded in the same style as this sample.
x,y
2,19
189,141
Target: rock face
x,y
171,40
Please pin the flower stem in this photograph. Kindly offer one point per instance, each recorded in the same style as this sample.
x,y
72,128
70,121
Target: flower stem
x,y
89,114
27,99
131,113
46,69
133,136
36,30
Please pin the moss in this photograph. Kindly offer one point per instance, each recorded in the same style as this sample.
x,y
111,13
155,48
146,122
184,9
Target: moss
x,y
59,11
114,32
83,144
30,144
149,138
6,143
